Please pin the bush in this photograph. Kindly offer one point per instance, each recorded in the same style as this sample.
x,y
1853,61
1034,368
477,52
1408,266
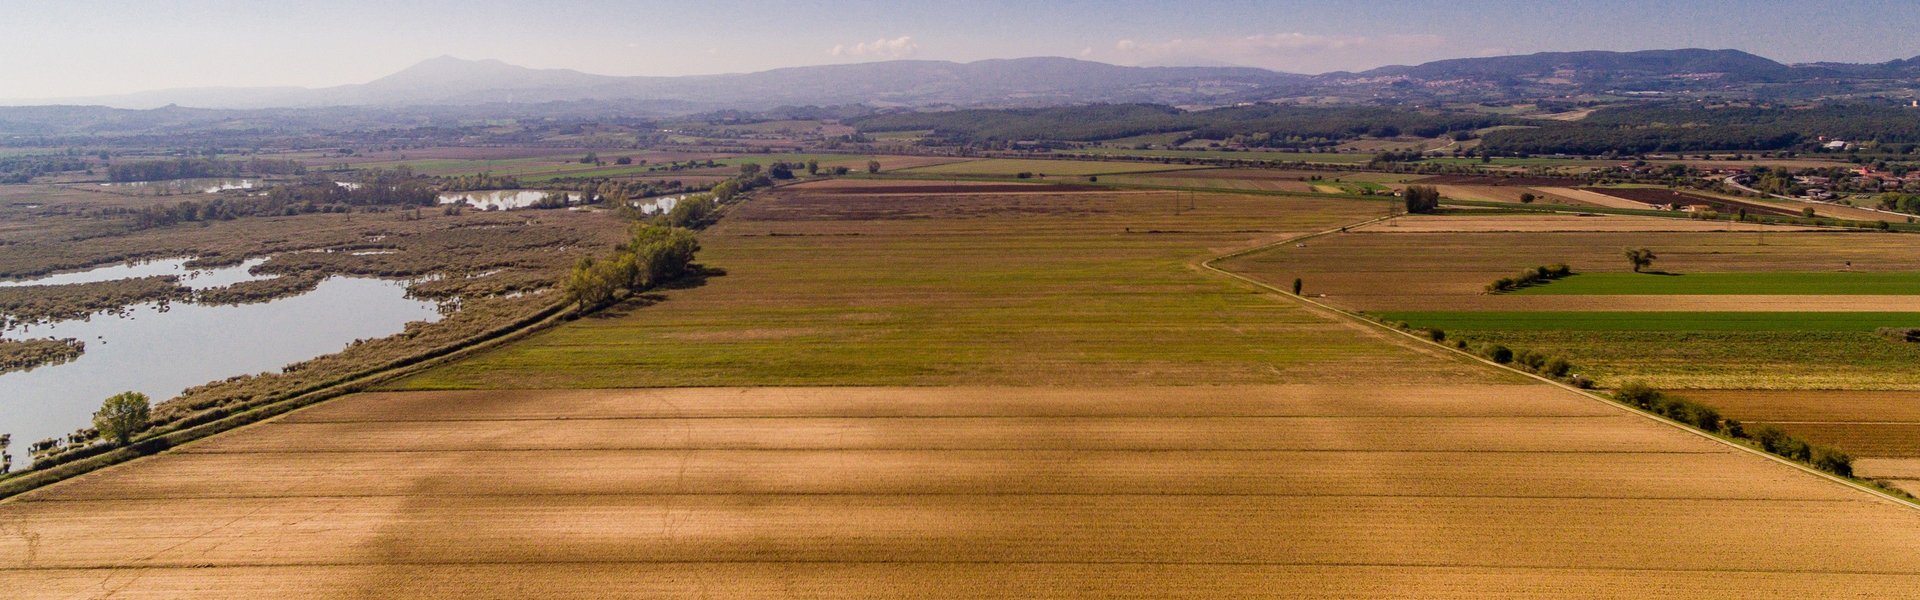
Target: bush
x,y
1775,441
1530,277
1436,334
1638,394
1556,367
1498,353
1530,359
1900,334
1833,461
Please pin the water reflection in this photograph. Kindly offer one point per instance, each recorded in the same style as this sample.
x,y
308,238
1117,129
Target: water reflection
x,y
501,199
162,349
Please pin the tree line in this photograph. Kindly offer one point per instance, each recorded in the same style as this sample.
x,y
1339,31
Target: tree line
x,y
312,194
1692,127
185,168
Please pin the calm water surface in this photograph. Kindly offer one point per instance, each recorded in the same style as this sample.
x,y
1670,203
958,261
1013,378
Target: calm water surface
x,y
161,351
500,199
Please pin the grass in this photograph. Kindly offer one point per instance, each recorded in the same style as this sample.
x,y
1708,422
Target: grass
x,y
1080,288
1656,321
1703,350
1851,283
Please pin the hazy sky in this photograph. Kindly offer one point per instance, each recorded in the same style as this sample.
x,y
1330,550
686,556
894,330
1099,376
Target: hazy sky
x,y
62,48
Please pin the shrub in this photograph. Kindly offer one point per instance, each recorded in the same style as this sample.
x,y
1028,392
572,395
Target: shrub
x,y
1498,353
1900,334
1775,441
1530,277
1556,367
1833,461
1436,334
1638,394
1532,360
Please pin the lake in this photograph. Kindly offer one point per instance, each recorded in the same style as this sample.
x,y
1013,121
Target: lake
x,y
500,199
657,205
161,351
198,185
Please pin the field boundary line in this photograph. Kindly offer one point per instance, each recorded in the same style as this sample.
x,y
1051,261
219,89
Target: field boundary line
x,y
1209,265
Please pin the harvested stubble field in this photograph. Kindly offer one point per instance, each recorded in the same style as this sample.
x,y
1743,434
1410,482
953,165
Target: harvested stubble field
x,y
1595,198
1548,223
1504,193
927,186
1666,197
1431,491
1345,462
1227,179
1008,167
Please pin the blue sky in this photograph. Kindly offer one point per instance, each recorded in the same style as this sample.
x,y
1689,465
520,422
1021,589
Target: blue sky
x,y
79,47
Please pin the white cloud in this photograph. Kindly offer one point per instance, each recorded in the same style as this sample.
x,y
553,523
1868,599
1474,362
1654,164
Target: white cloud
x,y
900,47
1285,51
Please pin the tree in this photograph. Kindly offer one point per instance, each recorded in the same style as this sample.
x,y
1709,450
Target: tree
x,y
748,170
873,166
1422,198
1526,198
1296,286
121,416
813,167
1640,258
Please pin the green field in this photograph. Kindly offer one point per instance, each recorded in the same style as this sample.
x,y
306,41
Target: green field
x,y
1732,283
1067,289
1703,350
1656,321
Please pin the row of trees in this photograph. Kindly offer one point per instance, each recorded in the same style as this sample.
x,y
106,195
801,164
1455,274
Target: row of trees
x,y
312,194
1530,277
183,168
1705,418
1898,202
655,255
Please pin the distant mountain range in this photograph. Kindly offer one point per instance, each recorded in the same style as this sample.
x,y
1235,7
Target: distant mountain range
x,y
448,81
